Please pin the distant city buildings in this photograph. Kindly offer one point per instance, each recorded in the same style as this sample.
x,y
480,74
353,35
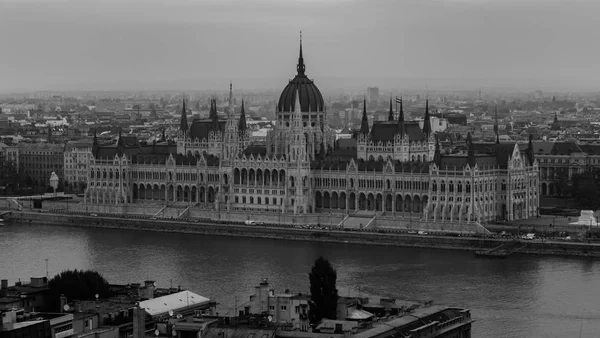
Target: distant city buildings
x,y
373,94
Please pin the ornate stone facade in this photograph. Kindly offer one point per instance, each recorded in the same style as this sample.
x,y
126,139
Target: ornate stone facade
x,y
396,168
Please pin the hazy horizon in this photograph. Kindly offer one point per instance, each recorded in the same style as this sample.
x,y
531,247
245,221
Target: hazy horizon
x,y
201,45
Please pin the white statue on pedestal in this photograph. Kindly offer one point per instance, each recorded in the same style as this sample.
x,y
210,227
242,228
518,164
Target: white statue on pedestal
x,y
586,218
54,181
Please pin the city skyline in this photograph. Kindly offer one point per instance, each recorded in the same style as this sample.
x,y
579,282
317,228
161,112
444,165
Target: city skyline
x,y
130,45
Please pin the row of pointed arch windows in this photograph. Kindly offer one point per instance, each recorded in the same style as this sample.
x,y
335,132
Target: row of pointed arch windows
x,y
104,174
259,200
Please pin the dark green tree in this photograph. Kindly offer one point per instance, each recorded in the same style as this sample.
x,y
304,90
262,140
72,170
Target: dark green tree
x,y
323,291
586,189
9,175
76,285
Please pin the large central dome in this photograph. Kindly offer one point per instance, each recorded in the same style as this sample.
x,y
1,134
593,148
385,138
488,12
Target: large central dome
x,y
310,96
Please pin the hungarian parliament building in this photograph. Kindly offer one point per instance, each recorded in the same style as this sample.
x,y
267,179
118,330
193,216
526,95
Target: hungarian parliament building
x,y
392,167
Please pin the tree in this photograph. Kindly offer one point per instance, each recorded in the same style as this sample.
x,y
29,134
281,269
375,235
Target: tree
x,y
9,175
323,291
561,182
76,285
586,189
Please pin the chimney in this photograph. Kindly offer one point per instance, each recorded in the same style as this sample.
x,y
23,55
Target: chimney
x,y
63,302
149,289
4,284
139,322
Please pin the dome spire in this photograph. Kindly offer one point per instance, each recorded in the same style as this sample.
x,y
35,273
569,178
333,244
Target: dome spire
x,y
300,66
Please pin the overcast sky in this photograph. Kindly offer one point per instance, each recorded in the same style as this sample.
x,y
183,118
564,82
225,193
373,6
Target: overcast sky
x,y
196,44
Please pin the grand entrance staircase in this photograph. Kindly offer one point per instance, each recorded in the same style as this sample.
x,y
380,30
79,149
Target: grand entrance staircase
x,y
357,221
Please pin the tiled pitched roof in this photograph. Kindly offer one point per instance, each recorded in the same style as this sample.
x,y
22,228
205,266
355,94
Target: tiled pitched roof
x,y
459,161
201,128
565,148
386,131
591,149
256,149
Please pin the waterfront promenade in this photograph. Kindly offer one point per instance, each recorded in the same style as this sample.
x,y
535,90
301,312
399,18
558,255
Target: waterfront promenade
x,y
369,236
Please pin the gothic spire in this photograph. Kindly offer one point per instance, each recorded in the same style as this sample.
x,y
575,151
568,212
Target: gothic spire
x,y
401,127
364,124
530,153
496,130
322,151
214,116
391,112
230,112
427,120
471,151
301,67
242,123
437,156
183,126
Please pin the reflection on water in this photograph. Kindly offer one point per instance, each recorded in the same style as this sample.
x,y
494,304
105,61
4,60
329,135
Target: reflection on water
x,y
516,297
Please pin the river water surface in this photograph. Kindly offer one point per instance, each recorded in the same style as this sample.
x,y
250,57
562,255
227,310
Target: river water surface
x,y
521,296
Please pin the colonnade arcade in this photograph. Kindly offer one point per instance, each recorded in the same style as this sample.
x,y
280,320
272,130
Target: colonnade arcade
x,y
369,201
174,193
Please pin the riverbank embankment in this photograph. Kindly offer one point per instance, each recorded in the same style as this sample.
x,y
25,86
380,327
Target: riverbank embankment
x,y
372,237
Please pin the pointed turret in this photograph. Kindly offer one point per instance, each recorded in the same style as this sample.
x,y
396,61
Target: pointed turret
x,y
183,126
364,124
427,120
120,143
496,130
530,152
301,67
242,123
437,156
230,112
555,117
401,127
297,107
95,144
471,151
391,112
214,116
163,137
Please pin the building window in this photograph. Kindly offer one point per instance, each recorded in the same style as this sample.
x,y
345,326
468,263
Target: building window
x,y
272,307
283,308
297,309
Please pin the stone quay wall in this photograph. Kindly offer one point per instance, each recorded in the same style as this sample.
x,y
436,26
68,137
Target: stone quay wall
x,y
365,237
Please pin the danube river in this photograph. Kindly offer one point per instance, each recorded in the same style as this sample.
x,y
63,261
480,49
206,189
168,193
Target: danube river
x,y
516,297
